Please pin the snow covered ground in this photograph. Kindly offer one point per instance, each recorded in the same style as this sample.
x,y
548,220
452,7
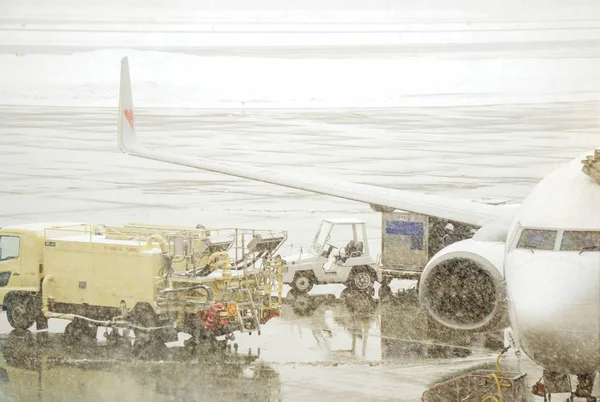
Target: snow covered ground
x,y
188,81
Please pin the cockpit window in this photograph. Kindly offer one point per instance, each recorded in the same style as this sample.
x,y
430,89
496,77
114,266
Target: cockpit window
x,y
579,240
537,239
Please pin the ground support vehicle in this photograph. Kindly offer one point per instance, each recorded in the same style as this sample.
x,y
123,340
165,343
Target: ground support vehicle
x,y
480,386
339,254
154,280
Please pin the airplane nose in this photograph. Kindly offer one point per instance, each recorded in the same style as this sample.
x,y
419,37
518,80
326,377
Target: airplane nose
x,y
555,305
545,288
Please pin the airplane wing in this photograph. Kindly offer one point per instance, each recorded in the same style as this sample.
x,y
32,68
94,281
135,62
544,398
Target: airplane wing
x,y
466,211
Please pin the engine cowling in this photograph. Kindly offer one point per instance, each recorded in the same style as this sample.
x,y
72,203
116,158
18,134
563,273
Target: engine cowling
x,y
462,286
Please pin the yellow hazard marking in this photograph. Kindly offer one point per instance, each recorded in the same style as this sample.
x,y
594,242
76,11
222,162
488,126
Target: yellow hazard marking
x,y
232,308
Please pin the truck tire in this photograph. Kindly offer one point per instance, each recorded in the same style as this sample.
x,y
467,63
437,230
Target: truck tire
x,y
20,311
362,279
303,282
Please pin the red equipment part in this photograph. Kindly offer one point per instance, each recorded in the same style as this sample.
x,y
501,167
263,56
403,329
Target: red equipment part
x,y
211,316
268,314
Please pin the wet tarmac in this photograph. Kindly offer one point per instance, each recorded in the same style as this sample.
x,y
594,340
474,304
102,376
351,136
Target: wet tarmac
x,y
339,345
43,367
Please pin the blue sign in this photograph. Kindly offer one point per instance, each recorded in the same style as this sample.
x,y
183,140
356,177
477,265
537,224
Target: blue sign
x,y
404,228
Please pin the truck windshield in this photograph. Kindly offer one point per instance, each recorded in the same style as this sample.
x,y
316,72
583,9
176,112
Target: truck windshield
x,y
579,240
320,237
9,247
537,239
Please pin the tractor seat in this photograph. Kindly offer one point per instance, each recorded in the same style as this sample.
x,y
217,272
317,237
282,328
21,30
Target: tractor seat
x,y
358,249
350,247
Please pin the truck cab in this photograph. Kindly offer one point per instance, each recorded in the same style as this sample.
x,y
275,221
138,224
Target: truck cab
x,y
21,271
339,253
21,258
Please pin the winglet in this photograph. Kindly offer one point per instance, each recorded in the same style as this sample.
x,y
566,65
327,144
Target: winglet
x,y
127,139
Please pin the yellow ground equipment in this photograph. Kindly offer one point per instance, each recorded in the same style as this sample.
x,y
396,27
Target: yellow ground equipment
x,y
156,280
481,386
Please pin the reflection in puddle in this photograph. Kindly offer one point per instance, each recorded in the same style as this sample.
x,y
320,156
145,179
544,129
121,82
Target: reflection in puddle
x,y
404,331
42,367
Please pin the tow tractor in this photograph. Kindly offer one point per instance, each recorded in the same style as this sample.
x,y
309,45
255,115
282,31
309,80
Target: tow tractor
x,y
154,280
339,254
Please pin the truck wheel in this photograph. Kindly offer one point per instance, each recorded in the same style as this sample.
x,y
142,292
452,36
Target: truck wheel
x,y
362,280
302,282
20,311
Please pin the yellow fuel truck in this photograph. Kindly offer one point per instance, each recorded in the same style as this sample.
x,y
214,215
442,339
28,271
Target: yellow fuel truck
x,y
152,279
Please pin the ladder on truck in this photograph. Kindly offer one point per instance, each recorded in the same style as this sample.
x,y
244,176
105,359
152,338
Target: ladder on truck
x,y
252,277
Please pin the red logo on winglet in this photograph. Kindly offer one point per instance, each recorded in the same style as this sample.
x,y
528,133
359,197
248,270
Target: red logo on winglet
x,y
129,116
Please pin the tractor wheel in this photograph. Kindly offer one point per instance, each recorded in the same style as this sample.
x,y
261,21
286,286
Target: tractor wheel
x,y
302,282
20,311
362,280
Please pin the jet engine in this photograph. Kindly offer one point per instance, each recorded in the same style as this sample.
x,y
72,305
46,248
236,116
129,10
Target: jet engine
x,y
462,286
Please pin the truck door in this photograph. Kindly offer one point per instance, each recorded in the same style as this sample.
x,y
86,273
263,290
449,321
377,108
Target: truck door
x,y
31,260
10,263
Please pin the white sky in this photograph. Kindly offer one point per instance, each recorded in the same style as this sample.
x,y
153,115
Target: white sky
x,y
328,9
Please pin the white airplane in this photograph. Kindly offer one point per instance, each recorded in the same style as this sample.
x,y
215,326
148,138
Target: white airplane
x,y
533,266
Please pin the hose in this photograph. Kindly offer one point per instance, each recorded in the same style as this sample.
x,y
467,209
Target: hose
x,y
164,247
498,362
167,268
248,264
499,397
209,292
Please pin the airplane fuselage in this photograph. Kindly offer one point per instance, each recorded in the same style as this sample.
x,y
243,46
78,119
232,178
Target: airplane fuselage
x,y
552,273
